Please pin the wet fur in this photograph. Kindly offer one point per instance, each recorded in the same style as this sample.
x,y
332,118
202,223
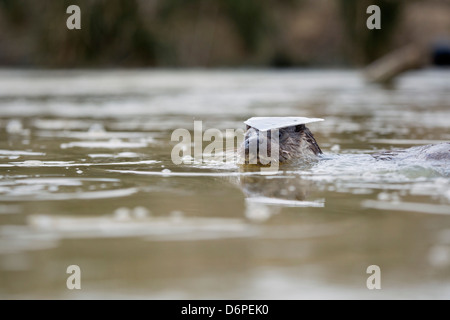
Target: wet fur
x,y
295,143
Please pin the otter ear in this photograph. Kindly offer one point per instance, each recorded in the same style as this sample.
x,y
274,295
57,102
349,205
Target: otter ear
x,y
299,128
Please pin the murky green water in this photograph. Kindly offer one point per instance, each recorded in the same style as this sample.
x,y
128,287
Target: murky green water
x,y
87,179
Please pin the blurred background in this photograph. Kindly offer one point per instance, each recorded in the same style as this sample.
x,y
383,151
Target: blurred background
x,y
221,33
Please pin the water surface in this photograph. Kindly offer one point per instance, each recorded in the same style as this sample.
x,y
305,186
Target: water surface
x,y
87,179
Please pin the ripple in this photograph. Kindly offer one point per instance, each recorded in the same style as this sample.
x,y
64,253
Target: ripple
x,y
57,181
110,144
61,188
286,202
38,194
63,164
169,173
20,153
93,135
407,206
119,155
60,124
151,228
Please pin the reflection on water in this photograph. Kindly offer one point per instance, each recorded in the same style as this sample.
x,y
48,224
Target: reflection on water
x,y
87,179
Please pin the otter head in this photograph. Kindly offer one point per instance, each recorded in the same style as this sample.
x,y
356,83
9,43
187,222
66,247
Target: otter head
x,y
279,139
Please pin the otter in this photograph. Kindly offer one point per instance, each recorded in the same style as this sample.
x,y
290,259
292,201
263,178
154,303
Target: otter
x,y
295,143
289,142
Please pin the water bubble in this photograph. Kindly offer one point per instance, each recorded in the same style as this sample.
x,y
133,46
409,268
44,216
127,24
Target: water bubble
x,y
141,212
14,127
383,196
96,128
386,196
335,148
79,171
257,212
122,214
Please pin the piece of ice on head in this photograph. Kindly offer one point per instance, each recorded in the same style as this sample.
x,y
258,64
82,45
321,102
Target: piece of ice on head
x,y
269,123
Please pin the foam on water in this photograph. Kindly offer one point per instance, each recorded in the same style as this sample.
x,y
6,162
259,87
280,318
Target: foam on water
x,y
66,164
287,203
109,144
20,153
118,155
38,193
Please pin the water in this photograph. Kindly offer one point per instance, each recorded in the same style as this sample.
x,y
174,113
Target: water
x,y
87,179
